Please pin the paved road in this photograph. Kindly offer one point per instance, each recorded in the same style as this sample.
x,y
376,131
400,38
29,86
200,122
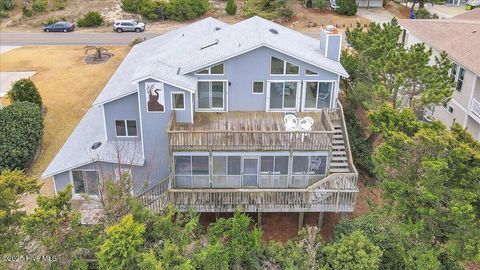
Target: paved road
x,y
21,39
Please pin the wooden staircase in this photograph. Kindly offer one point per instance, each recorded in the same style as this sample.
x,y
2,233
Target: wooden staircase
x,y
339,160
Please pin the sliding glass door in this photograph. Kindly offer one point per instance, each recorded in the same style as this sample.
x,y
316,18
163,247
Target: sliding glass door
x,y
250,172
282,96
318,95
211,95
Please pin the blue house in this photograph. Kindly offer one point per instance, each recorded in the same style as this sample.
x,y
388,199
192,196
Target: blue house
x,y
217,117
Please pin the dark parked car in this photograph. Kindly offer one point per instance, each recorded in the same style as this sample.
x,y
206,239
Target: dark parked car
x,y
59,27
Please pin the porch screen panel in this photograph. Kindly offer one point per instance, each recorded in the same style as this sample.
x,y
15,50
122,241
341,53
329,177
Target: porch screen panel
x,y
183,171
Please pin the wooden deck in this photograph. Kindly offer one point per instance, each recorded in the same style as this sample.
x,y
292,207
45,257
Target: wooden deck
x,y
248,131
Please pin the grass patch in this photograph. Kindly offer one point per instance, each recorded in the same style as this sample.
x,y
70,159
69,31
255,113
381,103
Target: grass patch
x,y
68,87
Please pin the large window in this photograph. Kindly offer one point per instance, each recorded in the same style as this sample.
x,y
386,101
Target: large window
x,y
191,171
85,182
211,95
318,95
308,170
283,95
273,172
215,70
280,67
126,128
226,172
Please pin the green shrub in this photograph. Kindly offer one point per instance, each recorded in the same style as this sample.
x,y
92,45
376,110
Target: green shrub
x,y
231,7
3,14
27,12
59,4
6,4
151,10
347,7
92,18
135,42
181,10
21,130
361,150
25,90
39,5
52,20
423,13
267,9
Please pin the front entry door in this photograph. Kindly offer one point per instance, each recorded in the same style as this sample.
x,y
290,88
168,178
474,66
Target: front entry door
x,y
250,172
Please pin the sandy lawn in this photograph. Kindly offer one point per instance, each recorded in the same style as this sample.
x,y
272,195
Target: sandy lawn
x,y
68,87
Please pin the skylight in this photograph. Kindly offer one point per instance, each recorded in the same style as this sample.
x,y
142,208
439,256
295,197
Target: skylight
x,y
215,42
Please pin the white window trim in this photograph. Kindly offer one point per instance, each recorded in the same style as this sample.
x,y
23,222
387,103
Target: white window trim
x,y
79,195
172,101
225,97
146,98
448,109
458,78
304,94
126,128
210,71
297,98
310,75
284,68
263,87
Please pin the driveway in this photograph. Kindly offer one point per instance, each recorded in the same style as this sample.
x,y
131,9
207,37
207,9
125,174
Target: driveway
x,y
378,15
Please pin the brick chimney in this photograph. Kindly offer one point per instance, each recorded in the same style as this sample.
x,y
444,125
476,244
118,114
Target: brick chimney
x,y
331,42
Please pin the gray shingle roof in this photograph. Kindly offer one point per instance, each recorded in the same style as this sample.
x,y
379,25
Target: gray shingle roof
x,y
460,38
77,149
172,55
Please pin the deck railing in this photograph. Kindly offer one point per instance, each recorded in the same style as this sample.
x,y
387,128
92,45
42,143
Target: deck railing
x,y
335,193
251,140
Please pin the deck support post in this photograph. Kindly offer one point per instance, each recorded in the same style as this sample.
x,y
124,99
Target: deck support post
x,y
217,214
320,220
259,219
300,220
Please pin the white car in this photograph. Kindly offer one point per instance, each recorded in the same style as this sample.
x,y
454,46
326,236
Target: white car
x,y
128,26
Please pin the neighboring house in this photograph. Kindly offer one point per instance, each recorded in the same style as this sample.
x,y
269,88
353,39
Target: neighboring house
x,y
196,116
460,38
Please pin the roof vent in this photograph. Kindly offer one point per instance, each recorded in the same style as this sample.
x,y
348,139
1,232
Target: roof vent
x,y
218,28
209,44
273,31
96,145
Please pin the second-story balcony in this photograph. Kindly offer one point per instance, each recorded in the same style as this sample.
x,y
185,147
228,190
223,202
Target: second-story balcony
x,y
249,131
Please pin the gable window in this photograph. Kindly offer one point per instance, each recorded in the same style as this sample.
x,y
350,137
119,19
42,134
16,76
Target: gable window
x,y
318,95
283,95
85,182
215,70
257,87
191,171
211,95
126,128
280,67
310,73
178,101
461,75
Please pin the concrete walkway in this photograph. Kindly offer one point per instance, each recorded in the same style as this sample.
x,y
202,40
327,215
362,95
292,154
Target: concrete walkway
x,y
378,15
446,11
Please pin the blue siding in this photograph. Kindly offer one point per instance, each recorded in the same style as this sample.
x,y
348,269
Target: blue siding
x,y
125,108
242,70
155,138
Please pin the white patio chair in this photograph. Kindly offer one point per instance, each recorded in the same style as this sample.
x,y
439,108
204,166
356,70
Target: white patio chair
x,y
291,122
305,124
